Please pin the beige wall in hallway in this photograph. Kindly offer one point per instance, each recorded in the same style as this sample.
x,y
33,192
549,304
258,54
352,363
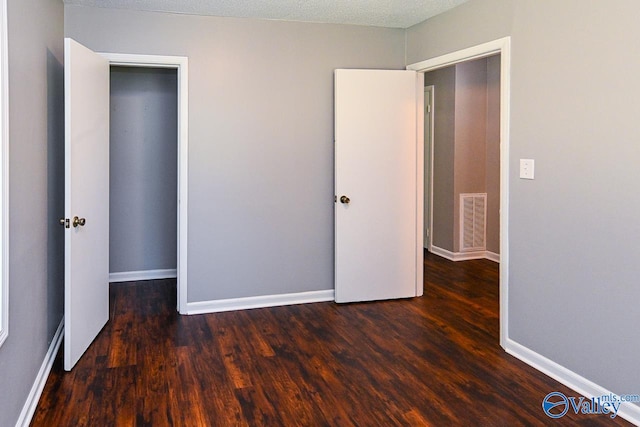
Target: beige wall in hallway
x,y
466,146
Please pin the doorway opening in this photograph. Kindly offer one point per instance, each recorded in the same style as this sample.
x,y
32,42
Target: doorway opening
x,y
462,160
500,47
159,72
143,174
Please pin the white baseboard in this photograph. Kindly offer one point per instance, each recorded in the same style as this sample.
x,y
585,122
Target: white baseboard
x,y
492,256
259,302
465,256
442,252
133,276
30,405
585,387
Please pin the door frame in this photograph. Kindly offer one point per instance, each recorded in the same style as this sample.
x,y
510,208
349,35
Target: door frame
x,y
503,47
181,64
428,165
4,175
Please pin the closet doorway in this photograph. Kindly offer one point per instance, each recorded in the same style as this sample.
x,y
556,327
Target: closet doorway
x,y
143,178
160,72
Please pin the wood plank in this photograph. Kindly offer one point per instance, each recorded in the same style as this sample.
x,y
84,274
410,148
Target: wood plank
x,y
434,360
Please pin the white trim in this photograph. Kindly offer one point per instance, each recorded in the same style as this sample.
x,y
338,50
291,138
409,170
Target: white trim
x,y
464,256
181,63
134,276
503,47
231,304
150,61
31,403
578,383
492,256
419,171
453,58
505,121
432,101
444,253
4,176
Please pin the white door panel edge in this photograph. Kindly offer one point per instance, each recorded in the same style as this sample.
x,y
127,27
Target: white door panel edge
x,y
86,196
378,166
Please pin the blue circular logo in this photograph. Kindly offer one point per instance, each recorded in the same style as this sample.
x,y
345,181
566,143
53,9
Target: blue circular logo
x,y
555,404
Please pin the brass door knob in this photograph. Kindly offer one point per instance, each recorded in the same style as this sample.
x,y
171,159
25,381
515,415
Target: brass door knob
x,y
345,200
79,221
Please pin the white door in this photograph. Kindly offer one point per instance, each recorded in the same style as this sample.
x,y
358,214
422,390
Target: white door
x,y
86,303
378,183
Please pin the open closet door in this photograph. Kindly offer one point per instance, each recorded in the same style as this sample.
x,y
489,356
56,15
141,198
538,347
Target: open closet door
x,y
378,180
86,221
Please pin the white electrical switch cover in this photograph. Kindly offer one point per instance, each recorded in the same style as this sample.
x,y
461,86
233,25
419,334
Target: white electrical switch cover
x,y
527,168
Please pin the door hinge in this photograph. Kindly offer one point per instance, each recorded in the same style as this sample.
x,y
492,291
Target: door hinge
x,y
428,108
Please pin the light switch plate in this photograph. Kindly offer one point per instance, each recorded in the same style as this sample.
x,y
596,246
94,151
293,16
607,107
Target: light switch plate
x,y
527,167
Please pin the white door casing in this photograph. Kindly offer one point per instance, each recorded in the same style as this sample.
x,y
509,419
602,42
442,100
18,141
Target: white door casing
x,y
503,47
428,165
181,65
379,167
86,196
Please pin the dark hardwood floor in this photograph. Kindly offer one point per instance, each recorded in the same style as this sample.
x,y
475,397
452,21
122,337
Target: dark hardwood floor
x,y
434,360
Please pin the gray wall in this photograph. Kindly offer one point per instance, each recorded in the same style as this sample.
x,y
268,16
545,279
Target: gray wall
x,y
573,231
143,169
444,81
260,137
36,196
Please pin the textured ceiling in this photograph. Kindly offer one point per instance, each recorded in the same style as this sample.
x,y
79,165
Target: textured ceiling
x,y
379,13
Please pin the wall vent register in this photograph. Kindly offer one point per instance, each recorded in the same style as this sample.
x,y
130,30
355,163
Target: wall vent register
x,y
473,222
